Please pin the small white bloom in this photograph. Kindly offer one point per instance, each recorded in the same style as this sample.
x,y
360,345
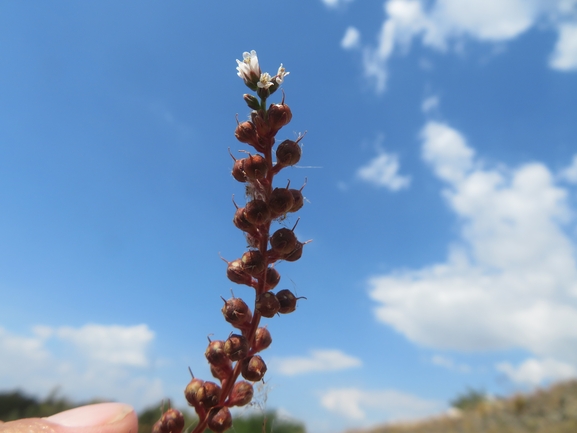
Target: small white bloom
x,y
281,74
265,81
248,67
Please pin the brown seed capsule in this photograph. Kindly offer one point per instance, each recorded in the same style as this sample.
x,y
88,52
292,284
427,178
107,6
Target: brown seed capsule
x,y
257,212
172,421
255,167
262,339
288,153
253,263
283,241
240,220
295,254
246,133
215,353
299,200
253,368
236,273
238,171
253,241
236,347
288,301
267,304
158,427
222,371
280,201
208,394
236,312
219,419
279,115
241,394
190,391
262,127
272,278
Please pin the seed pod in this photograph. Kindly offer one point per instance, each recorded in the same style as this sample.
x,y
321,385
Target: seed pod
x,y
262,339
288,301
283,241
253,263
255,167
257,212
272,278
246,133
299,200
238,171
219,419
295,254
236,347
236,273
262,127
240,221
158,427
253,241
280,201
208,394
279,115
190,391
172,421
222,371
241,394
288,153
253,368
215,353
267,304
236,312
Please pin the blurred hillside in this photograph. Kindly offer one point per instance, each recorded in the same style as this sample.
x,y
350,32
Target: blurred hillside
x,y
552,410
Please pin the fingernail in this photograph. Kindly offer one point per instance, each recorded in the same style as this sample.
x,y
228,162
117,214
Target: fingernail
x,y
92,415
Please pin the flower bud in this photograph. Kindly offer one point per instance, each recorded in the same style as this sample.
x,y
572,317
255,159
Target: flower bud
x,y
295,254
172,421
272,278
257,212
267,304
240,220
219,419
236,312
236,347
280,201
236,273
241,394
208,394
299,200
246,133
215,353
288,153
253,368
255,167
252,102
283,241
253,263
279,115
262,339
222,371
288,301
190,391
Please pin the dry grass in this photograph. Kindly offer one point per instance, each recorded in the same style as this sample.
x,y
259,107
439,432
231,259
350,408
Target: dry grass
x,y
552,410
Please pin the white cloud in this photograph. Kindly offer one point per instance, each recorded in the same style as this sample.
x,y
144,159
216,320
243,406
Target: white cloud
x,y
448,363
383,170
357,404
335,3
319,360
510,280
447,24
535,371
569,174
84,363
351,39
430,104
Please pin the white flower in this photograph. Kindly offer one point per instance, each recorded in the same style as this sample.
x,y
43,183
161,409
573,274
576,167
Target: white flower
x,y
265,81
281,74
249,68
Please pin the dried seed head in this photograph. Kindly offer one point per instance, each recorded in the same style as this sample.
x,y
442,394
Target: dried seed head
x,y
236,312
190,391
262,339
267,304
257,212
241,394
215,353
288,153
253,263
272,278
208,394
222,371
172,421
280,201
283,241
238,171
253,241
263,129
236,273
158,427
288,301
253,368
299,200
236,347
219,419
255,167
279,115
246,133
240,220
295,254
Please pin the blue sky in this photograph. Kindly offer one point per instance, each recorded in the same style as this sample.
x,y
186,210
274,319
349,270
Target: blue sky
x,y
441,167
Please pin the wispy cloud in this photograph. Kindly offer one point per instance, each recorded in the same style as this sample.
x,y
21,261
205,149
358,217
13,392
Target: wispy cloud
x,y
335,3
351,39
320,360
383,171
